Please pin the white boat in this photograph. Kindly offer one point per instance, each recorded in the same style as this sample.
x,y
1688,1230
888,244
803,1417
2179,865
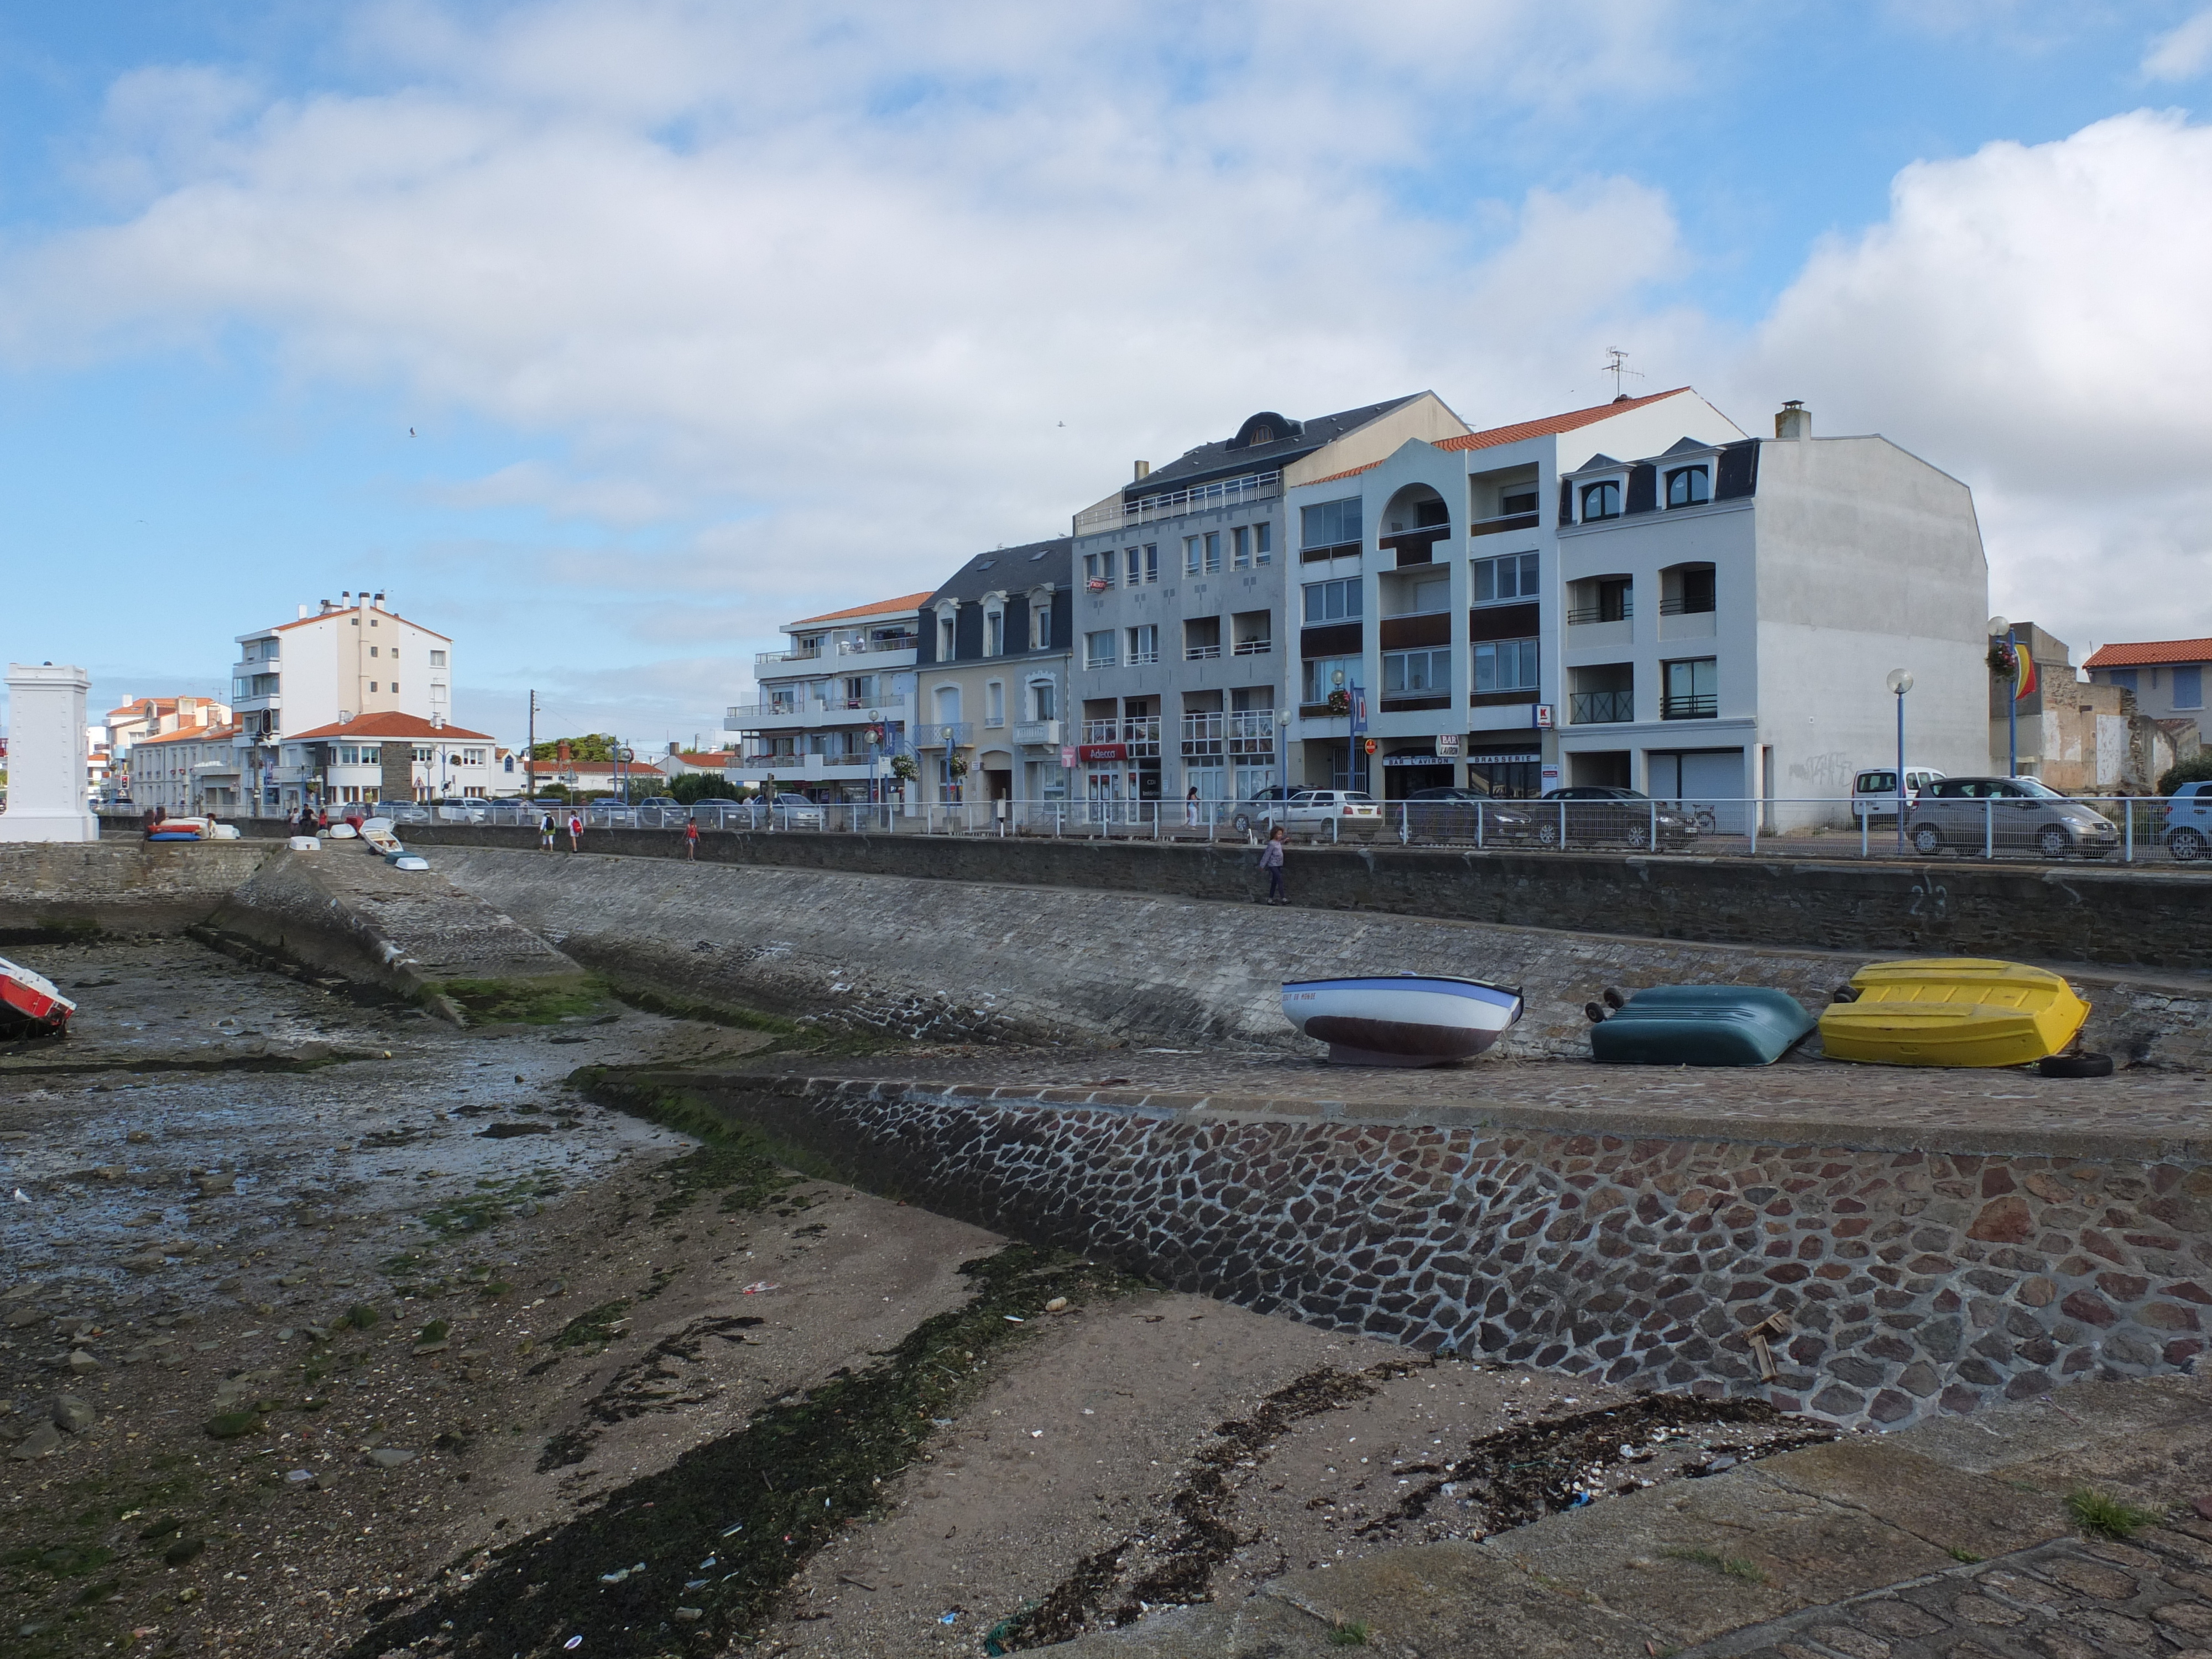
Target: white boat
x,y
29,1004
1401,1019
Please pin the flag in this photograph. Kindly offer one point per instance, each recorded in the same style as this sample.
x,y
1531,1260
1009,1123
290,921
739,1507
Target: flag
x,y
2023,675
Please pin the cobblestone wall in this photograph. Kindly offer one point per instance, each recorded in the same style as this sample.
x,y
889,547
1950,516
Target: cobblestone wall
x,y
125,887
1912,1281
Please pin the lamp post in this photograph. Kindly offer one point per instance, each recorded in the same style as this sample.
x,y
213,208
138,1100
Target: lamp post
x,y
1900,683
875,737
1336,683
1999,625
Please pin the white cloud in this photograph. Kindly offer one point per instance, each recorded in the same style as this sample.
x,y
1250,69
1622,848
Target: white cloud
x,y
2181,54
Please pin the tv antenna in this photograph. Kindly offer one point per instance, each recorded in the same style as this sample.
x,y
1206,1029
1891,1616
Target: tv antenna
x,y
1616,364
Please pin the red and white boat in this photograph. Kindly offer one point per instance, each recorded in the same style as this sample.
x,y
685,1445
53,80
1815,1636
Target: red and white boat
x,y
29,1004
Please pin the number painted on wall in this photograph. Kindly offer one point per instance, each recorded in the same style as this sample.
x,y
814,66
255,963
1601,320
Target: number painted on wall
x,y
1931,899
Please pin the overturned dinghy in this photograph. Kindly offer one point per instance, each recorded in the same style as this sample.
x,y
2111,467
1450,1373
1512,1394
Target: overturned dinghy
x,y
1700,1025
1952,1011
1401,1019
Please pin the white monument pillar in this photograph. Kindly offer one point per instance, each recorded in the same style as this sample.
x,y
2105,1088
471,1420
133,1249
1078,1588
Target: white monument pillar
x,y
46,755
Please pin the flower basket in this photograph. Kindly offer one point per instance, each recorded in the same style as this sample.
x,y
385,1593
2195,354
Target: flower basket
x,y
957,767
1340,702
905,769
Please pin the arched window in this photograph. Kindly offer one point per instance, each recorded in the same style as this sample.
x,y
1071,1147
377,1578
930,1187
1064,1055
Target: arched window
x,y
1601,501
1688,486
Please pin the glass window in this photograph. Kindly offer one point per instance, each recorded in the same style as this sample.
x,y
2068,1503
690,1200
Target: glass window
x,y
1263,543
1130,567
2189,686
1190,555
437,657
1144,644
1097,570
944,638
1601,501
1516,499
1330,524
1511,577
1240,548
1213,551
1098,649
1410,672
1687,486
1320,677
994,703
1336,601
1041,625
1041,700
1691,690
1151,562
1505,665
995,633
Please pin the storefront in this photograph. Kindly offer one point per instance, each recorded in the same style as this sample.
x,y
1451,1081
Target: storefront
x,y
1409,771
1507,771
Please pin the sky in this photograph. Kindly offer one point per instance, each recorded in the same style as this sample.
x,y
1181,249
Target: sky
x,y
606,335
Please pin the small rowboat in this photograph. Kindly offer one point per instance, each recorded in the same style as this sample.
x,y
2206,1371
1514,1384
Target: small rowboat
x,y
1401,1019
182,830
1701,1026
1952,1011
29,1004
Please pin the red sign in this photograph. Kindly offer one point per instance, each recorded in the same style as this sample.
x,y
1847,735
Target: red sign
x,y
1101,751
1372,745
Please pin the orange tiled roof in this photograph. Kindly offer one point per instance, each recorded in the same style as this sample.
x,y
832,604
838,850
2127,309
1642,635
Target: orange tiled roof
x,y
1348,472
389,725
355,610
911,602
704,757
1555,424
2149,653
189,735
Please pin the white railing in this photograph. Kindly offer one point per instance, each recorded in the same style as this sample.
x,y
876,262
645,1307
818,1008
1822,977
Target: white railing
x,y
1120,514
838,648
1259,647
1037,732
800,706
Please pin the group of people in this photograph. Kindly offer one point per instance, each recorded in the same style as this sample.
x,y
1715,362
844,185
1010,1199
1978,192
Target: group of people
x,y
308,819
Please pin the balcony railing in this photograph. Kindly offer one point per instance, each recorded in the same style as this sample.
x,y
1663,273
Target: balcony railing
x,y
1256,647
799,706
1142,659
1142,735
1597,707
1118,514
1691,607
1503,521
944,734
1201,653
1705,708
839,648
1041,731
1583,614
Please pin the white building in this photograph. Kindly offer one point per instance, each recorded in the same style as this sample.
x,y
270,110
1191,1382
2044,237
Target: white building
x,y
834,704
1652,600
333,663
188,772
140,718
394,757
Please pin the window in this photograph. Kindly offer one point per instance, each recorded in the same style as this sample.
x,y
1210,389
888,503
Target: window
x,y
426,756
1410,673
1042,701
1041,625
1263,543
1601,501
1213,552
372,650
1686,590
1432,593
1688,486
395,652
995,633
1097,571
1151,562
1131,567
1512,502
1240,549
1505,665
1334,601
395,688
1690,690
438,659
1191,550
372,685
994,703
2189,687
2125,679
1320,677
944,638
1144,644
1497,581
1330,524
1098,649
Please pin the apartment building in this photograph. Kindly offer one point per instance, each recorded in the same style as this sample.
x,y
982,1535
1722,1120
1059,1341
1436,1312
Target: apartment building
x,y
1652,600
140,718
1182,611
2166,676
187,771
992,674
333,663
835,705
392,757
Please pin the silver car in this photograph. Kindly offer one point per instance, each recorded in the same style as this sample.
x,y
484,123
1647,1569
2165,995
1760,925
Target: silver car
x,y
2006,815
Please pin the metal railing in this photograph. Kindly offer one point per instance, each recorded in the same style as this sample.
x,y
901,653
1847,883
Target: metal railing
x,y
943,734
1597,707
801,707
1202,652
840,648
1120,514
1264,645
1699,707
1697,607
1583,614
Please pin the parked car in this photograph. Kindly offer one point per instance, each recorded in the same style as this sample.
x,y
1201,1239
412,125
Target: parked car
x,y
1602,814
1310,807
2189,822
401,811
1452,812
609,813
1264,808
797,813
662,813
1967,815
1873,792
456,810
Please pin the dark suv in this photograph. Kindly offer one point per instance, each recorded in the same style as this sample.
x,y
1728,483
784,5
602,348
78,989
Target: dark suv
x,y
1592,814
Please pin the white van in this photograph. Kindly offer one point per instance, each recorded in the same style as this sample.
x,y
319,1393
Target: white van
x,y
1873,792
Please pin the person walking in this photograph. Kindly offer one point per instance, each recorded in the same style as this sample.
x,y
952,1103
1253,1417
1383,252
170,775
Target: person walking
x,y
1190,809
1271,860
692,838
545,830
575,830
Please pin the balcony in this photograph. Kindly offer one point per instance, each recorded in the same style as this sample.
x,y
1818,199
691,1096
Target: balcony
x,y
1142,735
1202,652
799,711
1116,514
1046,733
837,649
1601,707
1504,522
1256,647
1146,659
1706,706
945,734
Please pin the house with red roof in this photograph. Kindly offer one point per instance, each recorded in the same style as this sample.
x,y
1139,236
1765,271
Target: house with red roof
x,y
2168,676
390,756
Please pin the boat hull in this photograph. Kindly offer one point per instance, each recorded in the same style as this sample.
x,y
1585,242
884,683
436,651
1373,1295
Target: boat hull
x,y
30,1005
1401,1019
1953,1011
1702,1025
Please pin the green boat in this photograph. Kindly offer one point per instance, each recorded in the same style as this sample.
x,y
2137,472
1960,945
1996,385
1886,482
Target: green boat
x,y
1699,1026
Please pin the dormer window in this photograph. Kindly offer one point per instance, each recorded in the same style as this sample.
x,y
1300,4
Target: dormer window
x,y
944,637
995,633
1689,486
1601,501
1263,434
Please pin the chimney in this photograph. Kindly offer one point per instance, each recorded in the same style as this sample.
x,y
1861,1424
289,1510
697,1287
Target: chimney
x,y
437,722
303,613
1793,422
1144,471
560,753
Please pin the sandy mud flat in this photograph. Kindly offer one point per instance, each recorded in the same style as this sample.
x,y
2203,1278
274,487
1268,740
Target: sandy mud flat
x,y
328,1327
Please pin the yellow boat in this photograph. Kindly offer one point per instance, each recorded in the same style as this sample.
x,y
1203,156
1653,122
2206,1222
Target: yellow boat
x,y
1953,1011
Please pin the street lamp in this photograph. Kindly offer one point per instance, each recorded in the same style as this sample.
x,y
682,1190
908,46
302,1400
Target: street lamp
x,y
1998,625
1336,683
1900,683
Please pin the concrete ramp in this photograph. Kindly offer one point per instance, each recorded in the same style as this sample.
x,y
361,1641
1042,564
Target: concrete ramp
x,y
412,931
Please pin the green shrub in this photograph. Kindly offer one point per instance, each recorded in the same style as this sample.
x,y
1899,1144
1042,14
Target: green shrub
x,y
2102,1517
2195,769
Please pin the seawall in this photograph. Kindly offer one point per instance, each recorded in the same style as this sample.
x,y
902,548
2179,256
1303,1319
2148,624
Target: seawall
x,y
118,887
2075,912
1888,1277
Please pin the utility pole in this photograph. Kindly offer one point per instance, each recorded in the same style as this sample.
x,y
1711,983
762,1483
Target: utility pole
x,y
530,753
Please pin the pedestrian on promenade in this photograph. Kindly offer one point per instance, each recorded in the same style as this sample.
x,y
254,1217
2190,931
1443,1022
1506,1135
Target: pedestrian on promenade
x,y
1271,860
545,830
1190,809
692,838
575,830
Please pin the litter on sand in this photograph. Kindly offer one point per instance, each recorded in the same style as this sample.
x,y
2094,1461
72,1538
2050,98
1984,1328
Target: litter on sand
x,y
760,1284
573,1642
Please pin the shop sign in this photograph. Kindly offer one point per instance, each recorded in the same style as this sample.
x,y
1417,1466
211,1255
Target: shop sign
x,y
1413,760
1448,746
1103,751
1068,754
1541,715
